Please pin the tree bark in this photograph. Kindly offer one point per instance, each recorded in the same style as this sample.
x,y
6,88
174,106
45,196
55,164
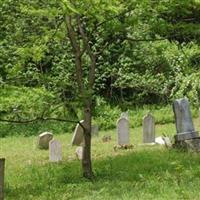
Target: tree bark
x,y
2,166
86,161
83,90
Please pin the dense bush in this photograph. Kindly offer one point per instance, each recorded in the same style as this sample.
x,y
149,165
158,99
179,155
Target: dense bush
x,y
24,104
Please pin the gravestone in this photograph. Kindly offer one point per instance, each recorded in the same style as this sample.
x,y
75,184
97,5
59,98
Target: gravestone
x,y
79,153
159,140
78,137
123,131
55,151
148,129
95,130
2,169
44,139
183,118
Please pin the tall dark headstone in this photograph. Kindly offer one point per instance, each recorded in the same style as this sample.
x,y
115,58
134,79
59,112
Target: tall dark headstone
x,y
184,125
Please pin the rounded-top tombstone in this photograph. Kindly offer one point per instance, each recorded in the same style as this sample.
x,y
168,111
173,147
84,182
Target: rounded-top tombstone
x,y
123,131
44,139
148,129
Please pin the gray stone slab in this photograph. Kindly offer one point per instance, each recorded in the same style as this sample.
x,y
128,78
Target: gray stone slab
x,y
44,139
183,118
55,151
188,145
186,136
123,131
78,137
148,129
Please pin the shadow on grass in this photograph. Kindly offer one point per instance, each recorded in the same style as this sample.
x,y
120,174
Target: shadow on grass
x,y
134,167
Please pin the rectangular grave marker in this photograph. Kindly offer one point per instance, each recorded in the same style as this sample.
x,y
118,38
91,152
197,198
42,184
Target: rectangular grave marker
x,y
123,131
184,124
148,129
55,151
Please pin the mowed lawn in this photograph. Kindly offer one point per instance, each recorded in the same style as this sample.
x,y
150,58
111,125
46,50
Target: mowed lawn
x,y
144,172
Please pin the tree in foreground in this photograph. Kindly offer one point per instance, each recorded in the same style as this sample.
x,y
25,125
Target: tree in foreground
x,y
85,24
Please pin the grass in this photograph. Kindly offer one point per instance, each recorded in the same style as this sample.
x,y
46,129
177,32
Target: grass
x,y
140,173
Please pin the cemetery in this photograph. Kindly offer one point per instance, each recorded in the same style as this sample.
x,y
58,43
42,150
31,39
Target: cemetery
x,y
99,100
152,161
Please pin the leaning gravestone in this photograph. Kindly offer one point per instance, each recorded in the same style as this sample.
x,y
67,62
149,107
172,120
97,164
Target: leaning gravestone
x,y
148,129
55,151
78,138
186,137
2,169
183,118
123,131
44,139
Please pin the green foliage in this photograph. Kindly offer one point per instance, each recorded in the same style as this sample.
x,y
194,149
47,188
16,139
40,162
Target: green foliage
x,y
147,52
24,102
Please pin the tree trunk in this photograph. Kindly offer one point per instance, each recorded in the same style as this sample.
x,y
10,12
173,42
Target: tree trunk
x,y
2,166
86,161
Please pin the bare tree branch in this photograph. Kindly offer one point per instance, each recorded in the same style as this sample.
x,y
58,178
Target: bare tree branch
x,y
89,51
77,53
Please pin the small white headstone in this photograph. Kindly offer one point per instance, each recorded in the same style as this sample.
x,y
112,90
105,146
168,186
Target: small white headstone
x,y
43,140
78,137
123,131
159,140
183,117
55,151
148,129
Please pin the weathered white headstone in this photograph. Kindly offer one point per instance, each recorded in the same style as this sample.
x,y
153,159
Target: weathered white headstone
x,y
123,131
79,153
184,125
167,141
148,129
159,140
78,138
43,140
95,130
55,151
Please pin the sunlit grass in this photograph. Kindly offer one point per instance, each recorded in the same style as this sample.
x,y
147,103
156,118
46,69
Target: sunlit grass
x,y
151,172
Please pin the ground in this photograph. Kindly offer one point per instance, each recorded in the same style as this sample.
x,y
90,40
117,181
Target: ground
x,y
151,172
